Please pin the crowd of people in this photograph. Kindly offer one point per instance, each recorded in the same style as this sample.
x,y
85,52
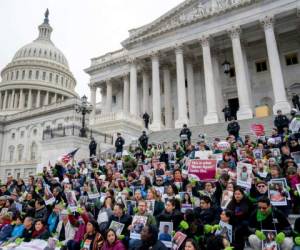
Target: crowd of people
x,y
148,198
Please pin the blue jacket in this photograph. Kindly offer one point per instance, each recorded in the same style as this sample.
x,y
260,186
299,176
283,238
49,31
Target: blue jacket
x,y
52,222
17,231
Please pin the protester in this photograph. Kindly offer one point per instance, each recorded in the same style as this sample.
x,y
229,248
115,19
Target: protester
x,y
213,194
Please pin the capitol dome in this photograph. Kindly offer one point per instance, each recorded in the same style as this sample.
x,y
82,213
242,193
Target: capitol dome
x,y
38,75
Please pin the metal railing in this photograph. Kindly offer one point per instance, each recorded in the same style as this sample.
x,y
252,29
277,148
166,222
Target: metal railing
x,y
74,130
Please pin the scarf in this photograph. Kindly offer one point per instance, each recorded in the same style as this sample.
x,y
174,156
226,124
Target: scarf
x,y
260,216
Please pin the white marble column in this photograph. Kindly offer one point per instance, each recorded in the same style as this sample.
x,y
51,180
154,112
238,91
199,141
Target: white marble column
x,y
191,92
63,98
46,100
12,99
167,96
38,99
126,93
108,102
1,104
280,99
210,91
181,92
5,100
93,90
133,88
16,99
245,111
21,100
29,101
156,95
146,84
218,85
55,98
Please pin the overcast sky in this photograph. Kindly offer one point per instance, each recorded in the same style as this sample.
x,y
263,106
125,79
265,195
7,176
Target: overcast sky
x,y
82,28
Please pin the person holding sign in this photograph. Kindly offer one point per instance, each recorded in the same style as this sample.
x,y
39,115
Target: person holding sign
x,y
266,217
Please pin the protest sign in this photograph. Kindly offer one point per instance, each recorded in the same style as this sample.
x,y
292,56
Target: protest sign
x,y
202,169
203,155
244,174
258,129
138,224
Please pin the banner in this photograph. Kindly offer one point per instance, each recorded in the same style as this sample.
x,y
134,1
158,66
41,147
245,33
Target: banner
x,y
258,129
202,169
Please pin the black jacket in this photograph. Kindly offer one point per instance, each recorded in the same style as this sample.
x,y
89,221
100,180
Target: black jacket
x,y
187,132
233,128
27,234
174,217
119,144
143,141
275,221
140,245
281,121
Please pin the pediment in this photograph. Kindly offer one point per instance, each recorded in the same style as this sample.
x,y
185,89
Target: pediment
x,y
185,13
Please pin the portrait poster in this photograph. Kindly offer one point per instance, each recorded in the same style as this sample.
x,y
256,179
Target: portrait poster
x,y
298,188
160,190
172,157
202,170
257,129
258,154
276,153
48,196
93,191
277,193
150,206
286,187
71,198
138,223
269,243
244,175
296,157
225,230
117,227
226,198
178,239
165,233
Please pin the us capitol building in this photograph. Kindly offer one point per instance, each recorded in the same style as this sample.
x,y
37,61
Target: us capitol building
x,y
37,93
187,64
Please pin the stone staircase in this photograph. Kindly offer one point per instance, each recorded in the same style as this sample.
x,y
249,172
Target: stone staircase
x,y
211,131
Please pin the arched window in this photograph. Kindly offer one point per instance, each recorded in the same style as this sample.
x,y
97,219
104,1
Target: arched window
x,y
17,75
37,75
11,151
44,76
12,76
62,81
20,152
56,79
23,74
33,151
30,74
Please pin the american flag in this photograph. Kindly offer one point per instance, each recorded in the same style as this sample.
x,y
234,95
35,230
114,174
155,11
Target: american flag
x,y
67,157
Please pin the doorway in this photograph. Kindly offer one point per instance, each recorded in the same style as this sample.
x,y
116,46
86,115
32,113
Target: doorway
x,y
234,106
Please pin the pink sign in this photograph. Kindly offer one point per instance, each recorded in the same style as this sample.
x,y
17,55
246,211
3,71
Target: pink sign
x,y
258,129
202,169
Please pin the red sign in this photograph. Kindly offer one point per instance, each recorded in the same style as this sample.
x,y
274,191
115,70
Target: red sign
x,y
202,169
258,129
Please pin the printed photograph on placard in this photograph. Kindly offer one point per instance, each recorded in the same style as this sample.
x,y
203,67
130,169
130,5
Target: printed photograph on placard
x,y
244,175
226,198
138,223
269,243
71,198
172,157
178,239
165,233
225,230
258,154
185,201
285,185
93,191
275,152
150,206
277,193
298,188
117,227
160,190
48,196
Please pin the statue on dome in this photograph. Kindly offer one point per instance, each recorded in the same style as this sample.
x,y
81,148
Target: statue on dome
x,y
46,20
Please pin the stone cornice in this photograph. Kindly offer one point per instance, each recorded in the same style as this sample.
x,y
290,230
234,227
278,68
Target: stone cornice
x,y
27,64
199,14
